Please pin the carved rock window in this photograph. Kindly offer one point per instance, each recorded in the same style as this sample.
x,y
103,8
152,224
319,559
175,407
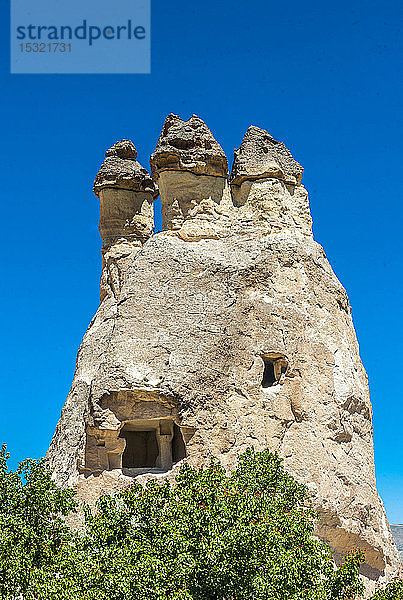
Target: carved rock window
x,y
275,369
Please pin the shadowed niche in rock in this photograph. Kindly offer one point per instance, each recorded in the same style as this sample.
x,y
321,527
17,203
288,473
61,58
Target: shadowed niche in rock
x,y
141,449
268,374
134,431
275,368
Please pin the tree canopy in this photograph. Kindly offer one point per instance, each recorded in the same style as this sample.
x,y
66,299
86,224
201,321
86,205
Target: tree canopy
x,y
212,535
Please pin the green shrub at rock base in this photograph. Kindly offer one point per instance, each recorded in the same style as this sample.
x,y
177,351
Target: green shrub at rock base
x,y
245,535
393,591
32,529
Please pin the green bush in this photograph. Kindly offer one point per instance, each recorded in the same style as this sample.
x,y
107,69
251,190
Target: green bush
x,y
246,535
393,591
32,530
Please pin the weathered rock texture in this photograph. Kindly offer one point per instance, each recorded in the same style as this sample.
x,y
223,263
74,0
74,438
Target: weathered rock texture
x,y
188,146
192,173
261,156
227,329
126,192
266,186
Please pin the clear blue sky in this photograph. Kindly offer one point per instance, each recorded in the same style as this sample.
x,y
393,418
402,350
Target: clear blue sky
x,y
324,78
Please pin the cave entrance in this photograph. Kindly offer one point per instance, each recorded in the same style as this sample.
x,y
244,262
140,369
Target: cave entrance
x,y
269,378
275,369
151,444
141,449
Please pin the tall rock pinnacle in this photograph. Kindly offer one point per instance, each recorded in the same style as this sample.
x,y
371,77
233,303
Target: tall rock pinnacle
x,y
266,184
192,174
226,330
126,192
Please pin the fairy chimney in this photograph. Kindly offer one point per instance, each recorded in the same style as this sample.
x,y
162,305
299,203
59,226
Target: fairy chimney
x,y
227,329
126,193
266,184
191,170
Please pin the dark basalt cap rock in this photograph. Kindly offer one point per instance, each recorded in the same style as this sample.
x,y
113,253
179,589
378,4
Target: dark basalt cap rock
x,y
121,170
260,156
188,146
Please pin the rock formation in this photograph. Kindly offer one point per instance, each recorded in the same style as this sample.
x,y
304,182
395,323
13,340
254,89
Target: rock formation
x,y
228,329
192,173
126,192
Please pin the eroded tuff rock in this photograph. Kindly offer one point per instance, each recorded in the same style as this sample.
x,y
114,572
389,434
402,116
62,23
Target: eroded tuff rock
x,y
188,146
126,193
266,186
192,173
213,343
260,155
120,170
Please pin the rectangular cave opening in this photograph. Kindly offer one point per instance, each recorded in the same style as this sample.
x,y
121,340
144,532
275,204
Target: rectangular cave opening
x,y
141,449
269,377
275,369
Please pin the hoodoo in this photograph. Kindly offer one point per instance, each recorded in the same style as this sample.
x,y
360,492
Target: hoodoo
x,y
192,173
227,329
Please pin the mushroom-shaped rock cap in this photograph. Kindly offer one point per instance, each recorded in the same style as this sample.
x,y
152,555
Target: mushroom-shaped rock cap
x,y
260,155
123,149
188,146
121,170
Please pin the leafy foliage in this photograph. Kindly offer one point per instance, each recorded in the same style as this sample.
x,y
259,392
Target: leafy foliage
x,y
32,530
393,591
247,535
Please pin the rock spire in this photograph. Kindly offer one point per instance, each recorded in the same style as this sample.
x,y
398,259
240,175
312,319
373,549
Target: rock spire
x,y
121,171
261,156
126,193
192,174
227,329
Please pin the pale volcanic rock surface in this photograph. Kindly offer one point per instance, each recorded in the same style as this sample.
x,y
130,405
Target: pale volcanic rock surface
x,y
397,531
191,327
260,155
